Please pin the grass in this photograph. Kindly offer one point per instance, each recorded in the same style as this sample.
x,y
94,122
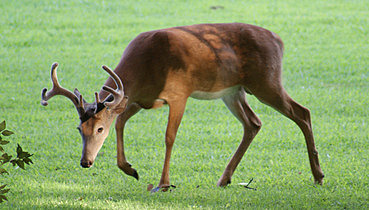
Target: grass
x,y
325,68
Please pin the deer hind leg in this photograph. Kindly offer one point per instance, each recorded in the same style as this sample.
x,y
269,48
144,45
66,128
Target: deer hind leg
x,y
119,128
239,107
282,102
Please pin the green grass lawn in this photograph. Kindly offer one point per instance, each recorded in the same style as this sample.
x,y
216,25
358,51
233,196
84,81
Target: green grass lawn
x,y
325,68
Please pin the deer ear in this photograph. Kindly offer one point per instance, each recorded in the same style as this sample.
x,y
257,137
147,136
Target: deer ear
x,y
122,105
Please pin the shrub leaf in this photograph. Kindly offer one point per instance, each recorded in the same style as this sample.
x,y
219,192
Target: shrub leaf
x,y
19,149
2,198
4,142
7,133
4,191
2,171
6,158
20,163
2,125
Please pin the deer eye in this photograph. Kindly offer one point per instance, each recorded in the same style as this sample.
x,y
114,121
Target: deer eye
x,y
100,130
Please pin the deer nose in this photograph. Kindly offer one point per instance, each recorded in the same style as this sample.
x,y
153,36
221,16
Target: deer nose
x,y
86,163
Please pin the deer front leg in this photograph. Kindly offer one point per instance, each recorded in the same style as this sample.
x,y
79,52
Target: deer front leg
x,y
119,128
176,110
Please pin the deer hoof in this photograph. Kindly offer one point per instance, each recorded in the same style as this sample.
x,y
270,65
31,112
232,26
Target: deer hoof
x,y
320,181
135,174
223,182
127,169
163,188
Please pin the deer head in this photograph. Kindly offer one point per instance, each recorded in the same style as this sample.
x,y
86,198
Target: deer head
x,y
95,118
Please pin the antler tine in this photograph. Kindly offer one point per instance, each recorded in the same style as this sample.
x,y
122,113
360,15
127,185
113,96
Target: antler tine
x,y
58,90
97,98
97,101
115,77
80,101
118,93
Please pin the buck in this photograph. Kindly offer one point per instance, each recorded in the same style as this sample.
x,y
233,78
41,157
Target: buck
x,y
167,66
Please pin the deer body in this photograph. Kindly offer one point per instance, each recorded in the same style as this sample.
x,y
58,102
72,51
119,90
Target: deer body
x,y
197,59
206,61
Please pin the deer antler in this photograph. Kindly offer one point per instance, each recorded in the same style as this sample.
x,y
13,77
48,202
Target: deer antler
x,y
58,90
97,98
118,93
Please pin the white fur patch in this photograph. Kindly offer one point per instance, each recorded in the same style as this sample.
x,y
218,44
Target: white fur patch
x,y
213,95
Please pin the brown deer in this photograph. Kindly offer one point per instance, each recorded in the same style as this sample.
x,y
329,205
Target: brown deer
x,y
206,61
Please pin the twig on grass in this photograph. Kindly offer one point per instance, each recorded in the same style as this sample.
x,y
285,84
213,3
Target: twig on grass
x,y
246,185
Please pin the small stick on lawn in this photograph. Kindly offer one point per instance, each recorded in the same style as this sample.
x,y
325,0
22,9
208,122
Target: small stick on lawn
x,y
247,185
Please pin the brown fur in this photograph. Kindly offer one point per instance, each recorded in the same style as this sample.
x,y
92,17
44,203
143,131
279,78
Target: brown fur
x,y
173,64
205,61
207,57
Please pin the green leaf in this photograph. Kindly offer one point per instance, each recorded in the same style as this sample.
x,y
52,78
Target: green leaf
x,y
6,158
7,133
1,187
20,163
4,142
19,150
2,171
2,125
1,149
2,198
27,160
4,191
13,162
23,155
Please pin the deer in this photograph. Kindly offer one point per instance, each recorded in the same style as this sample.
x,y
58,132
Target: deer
x,y
167,66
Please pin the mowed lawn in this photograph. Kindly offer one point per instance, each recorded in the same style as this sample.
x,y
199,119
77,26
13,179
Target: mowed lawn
x,y
326,65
